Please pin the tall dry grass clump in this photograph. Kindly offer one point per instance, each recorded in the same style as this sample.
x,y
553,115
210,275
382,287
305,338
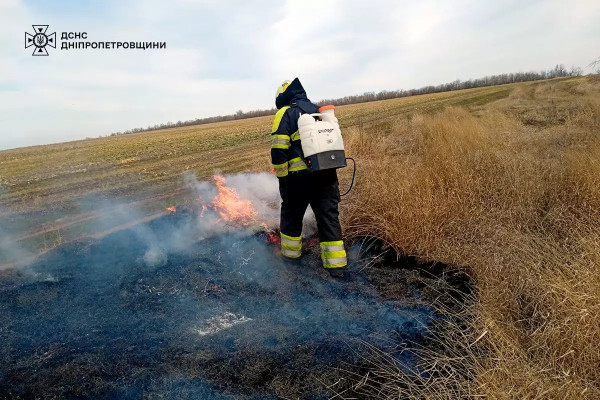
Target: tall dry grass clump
x,y
512,193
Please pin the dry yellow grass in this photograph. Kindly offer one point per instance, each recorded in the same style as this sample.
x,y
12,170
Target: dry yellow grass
x,y
512,194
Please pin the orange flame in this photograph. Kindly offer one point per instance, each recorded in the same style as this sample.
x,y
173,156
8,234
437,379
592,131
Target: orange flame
x,y
273,237
229,205
172,209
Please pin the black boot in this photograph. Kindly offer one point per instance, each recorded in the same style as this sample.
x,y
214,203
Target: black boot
x,y
336,272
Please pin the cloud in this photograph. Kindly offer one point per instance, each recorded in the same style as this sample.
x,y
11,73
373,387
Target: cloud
x,y
223,58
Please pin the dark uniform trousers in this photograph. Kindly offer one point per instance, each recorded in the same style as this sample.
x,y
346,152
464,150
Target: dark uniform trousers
x,y
320,189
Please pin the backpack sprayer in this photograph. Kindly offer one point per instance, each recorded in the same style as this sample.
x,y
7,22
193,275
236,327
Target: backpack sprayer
x,y
322,142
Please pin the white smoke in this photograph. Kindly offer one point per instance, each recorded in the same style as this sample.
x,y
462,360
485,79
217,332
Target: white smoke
x,y
11,253
261,189
155,257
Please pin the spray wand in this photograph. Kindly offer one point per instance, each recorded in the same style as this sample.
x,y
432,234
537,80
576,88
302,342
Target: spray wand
x,y
353,175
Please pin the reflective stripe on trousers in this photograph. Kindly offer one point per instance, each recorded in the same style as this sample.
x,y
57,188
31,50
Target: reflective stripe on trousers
x,y
333,254
291,246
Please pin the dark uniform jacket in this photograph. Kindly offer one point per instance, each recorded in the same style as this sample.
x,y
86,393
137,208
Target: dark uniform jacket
x,y
286,151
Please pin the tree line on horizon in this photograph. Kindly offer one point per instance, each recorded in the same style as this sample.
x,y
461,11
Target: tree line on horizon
x,y
558,71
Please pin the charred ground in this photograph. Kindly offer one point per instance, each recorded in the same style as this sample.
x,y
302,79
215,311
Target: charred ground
x,y
222,318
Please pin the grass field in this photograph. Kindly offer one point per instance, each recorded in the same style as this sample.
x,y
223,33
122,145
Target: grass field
x,y
46,190
504,181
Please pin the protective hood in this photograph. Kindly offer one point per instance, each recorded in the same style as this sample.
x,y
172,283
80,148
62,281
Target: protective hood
x,y
293,93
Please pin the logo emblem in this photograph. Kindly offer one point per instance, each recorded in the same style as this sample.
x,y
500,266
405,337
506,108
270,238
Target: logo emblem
x,y
40,40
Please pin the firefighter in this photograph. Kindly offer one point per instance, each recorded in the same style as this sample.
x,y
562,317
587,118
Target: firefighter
x,y
298,187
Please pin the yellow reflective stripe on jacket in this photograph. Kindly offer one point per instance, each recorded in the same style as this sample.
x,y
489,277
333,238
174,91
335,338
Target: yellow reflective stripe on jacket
x,y
281,170
297,164
280,142
278,117
295,136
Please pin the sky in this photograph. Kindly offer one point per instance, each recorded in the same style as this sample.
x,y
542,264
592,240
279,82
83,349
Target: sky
x,y
223,56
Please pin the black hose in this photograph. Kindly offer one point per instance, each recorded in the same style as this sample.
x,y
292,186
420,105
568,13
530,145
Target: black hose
x,y
353,175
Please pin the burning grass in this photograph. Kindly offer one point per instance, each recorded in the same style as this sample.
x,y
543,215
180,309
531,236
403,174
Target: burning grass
x,y
517,202
230,206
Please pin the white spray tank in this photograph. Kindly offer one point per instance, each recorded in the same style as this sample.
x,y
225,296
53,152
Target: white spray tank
x,y
321,140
